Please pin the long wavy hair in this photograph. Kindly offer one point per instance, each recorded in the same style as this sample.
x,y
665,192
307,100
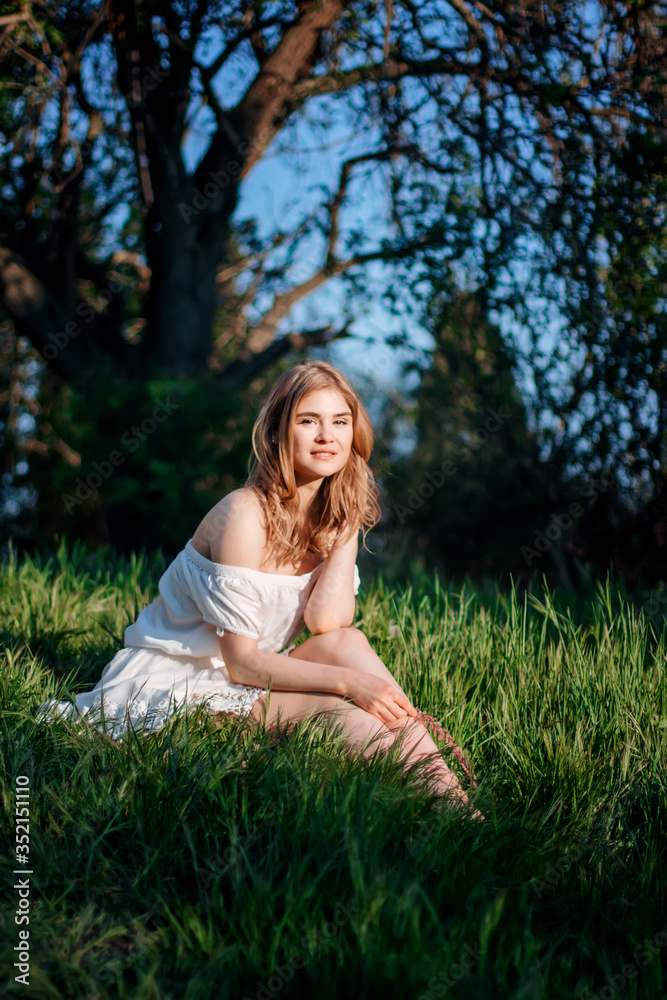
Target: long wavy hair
x,y
344,498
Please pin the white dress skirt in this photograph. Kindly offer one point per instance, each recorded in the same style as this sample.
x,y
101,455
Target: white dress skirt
x,y
171,656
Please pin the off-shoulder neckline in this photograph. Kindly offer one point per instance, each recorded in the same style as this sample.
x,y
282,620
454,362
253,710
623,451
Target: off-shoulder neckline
x,y
224,569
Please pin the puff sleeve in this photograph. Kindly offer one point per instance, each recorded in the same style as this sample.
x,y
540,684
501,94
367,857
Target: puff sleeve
x,y
231,603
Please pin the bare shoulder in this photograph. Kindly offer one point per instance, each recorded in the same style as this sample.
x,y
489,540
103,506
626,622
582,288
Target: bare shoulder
x,y
233,532
243,499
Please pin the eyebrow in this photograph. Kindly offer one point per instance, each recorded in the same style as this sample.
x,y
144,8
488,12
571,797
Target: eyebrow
x,y
309,413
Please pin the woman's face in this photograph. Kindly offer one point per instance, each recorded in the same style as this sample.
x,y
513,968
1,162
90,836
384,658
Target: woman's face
x,y
322,422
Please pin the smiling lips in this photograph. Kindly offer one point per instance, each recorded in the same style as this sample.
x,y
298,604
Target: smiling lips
x,y
323,454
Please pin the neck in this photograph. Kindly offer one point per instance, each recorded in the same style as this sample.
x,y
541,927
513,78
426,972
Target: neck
x,y
307,493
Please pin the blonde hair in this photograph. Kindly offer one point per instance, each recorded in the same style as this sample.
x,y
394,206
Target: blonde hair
x,y
343,498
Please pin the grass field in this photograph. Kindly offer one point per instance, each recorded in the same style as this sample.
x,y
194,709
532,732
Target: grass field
x,y
210,862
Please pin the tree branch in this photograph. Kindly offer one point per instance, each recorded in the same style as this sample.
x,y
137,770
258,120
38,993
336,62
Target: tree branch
x,y
264,332
390,69
246,33
10,19
263,106
240,372
68,341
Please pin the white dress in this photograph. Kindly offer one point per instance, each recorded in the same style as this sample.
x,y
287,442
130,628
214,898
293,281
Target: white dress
x,y
172,656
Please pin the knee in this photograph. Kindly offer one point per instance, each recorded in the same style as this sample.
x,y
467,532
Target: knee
x,y
336,644
348,639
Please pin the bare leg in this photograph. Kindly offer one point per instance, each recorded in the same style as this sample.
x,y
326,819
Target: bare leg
x,y
349,647
363,732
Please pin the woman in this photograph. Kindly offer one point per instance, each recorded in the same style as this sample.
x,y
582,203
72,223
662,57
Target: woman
x,y
273,557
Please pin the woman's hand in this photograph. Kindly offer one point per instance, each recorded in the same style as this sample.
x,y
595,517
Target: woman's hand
x,y
378,696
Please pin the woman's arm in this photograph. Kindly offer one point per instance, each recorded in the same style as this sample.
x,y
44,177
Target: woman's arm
x,y
331,603
246,664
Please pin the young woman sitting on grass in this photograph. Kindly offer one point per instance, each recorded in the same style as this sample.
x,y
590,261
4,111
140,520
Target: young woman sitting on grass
x,y
270,559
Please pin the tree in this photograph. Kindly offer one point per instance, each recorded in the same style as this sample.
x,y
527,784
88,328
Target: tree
x,y
478,124
478,493
474,489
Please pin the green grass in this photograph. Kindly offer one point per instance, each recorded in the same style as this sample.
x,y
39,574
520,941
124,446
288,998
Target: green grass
x,y
213,862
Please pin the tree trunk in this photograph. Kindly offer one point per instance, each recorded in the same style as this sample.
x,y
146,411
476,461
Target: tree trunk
x,y
184,254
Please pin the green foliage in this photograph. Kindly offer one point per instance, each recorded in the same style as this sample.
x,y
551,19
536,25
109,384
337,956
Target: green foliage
x,y
155,456
540,181
201,862
469,492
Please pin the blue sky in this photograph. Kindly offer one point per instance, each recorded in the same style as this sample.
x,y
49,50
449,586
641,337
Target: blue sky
x,y
285,186
280,191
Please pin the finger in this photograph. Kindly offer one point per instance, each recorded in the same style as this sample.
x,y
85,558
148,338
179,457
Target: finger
x,y
396,713
406,705
403,706
380,713
401,715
